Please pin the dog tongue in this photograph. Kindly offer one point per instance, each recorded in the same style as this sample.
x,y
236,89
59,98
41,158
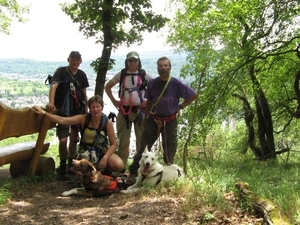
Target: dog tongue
x,y
145,170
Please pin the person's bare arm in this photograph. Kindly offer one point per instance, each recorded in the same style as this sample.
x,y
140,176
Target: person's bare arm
x,y
189,101
108,90
50,106
77,119
112,147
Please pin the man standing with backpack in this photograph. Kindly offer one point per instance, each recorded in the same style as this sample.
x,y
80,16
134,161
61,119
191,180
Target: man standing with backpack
x,y
68,97
132,82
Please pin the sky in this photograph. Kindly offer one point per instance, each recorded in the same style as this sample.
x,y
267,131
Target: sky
x,y
49,34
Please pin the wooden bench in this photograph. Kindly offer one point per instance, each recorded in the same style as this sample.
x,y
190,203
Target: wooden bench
x,y
25,158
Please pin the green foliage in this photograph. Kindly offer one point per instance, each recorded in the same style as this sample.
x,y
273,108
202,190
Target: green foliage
x,y
209,185
96,17
14,87
113,23
250,48
51,135
5,191
10,9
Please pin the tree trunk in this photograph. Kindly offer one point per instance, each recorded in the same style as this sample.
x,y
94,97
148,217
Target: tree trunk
x,y
249,116
264,120
108,40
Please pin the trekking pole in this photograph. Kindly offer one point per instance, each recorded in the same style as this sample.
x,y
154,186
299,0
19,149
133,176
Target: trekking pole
x,y
185,151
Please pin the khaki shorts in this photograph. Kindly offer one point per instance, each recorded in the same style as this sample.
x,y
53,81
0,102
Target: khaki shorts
x,y
63,131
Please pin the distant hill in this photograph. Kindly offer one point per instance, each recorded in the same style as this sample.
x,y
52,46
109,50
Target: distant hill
x,y
22,80
35,69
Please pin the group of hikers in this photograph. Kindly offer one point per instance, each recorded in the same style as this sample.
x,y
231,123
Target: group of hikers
x,y
148,104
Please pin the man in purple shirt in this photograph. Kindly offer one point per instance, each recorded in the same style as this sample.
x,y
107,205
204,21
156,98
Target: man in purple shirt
x,y
163,95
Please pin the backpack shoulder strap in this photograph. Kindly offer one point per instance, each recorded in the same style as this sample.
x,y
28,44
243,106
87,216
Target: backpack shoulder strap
x,y
142,73
103,124
123,74
86,123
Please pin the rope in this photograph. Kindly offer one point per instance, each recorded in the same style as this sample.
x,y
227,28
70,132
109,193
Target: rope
x,y
130,97
76,99
122,105
159,126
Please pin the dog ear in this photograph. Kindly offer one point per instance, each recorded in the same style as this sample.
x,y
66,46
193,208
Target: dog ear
x,y
91,166
146,149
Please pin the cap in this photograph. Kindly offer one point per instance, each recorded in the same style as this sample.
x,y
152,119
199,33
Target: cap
x,y
132,55
75,54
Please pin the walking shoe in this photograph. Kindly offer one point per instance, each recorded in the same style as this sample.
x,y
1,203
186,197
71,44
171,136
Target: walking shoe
x,y
62,169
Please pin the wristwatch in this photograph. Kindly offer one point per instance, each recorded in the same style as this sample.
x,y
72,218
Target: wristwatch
x,y
180,106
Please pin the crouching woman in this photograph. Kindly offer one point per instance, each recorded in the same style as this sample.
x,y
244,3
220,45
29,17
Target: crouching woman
x,y
107,160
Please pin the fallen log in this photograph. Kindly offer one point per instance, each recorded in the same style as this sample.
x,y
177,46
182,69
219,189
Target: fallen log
x,y
264,208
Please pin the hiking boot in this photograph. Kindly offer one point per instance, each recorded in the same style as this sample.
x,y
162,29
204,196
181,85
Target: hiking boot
x,y
62,169
69,166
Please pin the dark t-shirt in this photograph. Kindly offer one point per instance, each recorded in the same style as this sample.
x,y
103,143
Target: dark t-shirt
x,y
64,78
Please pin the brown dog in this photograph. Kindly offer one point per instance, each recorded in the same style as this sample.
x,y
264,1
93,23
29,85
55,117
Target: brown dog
x,y
93,182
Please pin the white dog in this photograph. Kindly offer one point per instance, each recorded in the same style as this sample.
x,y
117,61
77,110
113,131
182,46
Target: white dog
x,y
151,172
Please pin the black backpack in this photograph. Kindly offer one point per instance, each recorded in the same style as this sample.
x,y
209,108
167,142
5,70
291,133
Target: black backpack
x,y
141,73
102,127
48,80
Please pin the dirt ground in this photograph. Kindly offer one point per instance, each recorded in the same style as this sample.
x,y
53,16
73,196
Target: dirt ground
x,y
42,203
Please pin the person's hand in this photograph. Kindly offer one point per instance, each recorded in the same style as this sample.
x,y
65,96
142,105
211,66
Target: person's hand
x,y
117,104
143,104
50,107
38,110
103,163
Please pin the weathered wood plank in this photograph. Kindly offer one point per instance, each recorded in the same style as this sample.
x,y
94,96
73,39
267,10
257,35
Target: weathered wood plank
x,y
38,147
20,122
19,152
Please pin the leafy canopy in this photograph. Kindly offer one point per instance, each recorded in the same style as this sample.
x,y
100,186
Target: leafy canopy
x,y
125,20
113,23
10,9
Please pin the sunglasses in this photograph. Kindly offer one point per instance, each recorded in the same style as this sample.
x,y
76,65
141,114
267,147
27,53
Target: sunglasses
x,y
133,60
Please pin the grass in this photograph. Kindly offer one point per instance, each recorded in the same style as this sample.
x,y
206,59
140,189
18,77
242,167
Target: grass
x,y
5,187
209,179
